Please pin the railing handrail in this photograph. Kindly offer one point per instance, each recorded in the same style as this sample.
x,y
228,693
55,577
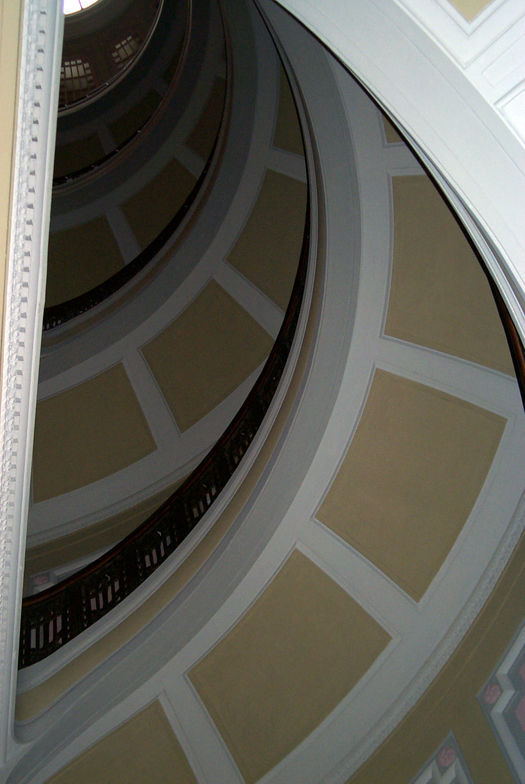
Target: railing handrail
x,y
58,614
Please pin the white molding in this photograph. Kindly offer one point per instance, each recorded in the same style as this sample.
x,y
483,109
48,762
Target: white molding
x,y
26,266
478,157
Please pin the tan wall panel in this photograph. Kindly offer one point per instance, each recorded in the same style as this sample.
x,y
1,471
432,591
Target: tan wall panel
x,y
470,8
287,129
80,259
295,654
74,156
144,749
202,137
205,354
439,295
391,134
126,125
450,703
87,433
151,208
415,466
268,250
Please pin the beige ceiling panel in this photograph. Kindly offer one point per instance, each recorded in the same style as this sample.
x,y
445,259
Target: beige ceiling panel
x,y
202,138
295,654
391,134
268,249
150,209
205,354
287,129
87,433
439,295
413,471
470,8
81,258
144,749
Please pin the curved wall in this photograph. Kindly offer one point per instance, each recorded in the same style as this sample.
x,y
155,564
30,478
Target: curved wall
x,y
379,527
424,628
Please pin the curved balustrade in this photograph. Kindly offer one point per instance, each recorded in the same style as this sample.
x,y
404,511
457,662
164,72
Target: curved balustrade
x,y
55,616
55,315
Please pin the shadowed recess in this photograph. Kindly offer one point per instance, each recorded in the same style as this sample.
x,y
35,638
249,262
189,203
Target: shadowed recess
x,y
151,208
80,259
287,129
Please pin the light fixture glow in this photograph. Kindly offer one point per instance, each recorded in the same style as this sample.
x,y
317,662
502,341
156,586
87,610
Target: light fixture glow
x,y
74,6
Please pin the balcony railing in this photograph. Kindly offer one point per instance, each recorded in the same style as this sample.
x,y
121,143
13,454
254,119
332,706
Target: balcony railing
x,y
55,616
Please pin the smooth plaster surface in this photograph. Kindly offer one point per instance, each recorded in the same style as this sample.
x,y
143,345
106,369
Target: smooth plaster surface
x,y
287,663
268,250
440,297
152,207
87,433
81,258
144,749
205,354
412,473
450,702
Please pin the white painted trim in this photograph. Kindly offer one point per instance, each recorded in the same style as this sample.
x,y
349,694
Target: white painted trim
x,y
25,285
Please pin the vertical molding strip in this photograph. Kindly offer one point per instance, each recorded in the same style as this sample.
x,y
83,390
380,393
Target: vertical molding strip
x,y
38,82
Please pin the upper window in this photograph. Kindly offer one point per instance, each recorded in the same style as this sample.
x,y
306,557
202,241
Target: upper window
x,y
73,6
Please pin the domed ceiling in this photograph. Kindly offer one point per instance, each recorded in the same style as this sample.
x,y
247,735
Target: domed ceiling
x,y
350,609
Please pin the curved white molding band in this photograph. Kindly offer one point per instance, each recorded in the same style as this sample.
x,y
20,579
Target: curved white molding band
x,y
25,286
448,117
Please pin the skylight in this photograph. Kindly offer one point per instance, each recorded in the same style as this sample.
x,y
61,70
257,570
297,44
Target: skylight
x,y
73,6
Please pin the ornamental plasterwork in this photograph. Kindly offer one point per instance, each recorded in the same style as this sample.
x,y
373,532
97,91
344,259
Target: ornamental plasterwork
x,y
503,701
446,766
25,283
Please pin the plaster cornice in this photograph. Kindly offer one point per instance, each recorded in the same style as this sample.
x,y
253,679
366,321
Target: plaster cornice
x,y
39,54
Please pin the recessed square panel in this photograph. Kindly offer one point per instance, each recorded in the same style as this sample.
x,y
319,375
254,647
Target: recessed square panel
x,y
87,433
269,247
151,208
80,259
288,662
144,749
440,296
414,469
205,354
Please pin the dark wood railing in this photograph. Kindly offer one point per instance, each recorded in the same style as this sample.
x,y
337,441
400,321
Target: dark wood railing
x,y
57,615
56,315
